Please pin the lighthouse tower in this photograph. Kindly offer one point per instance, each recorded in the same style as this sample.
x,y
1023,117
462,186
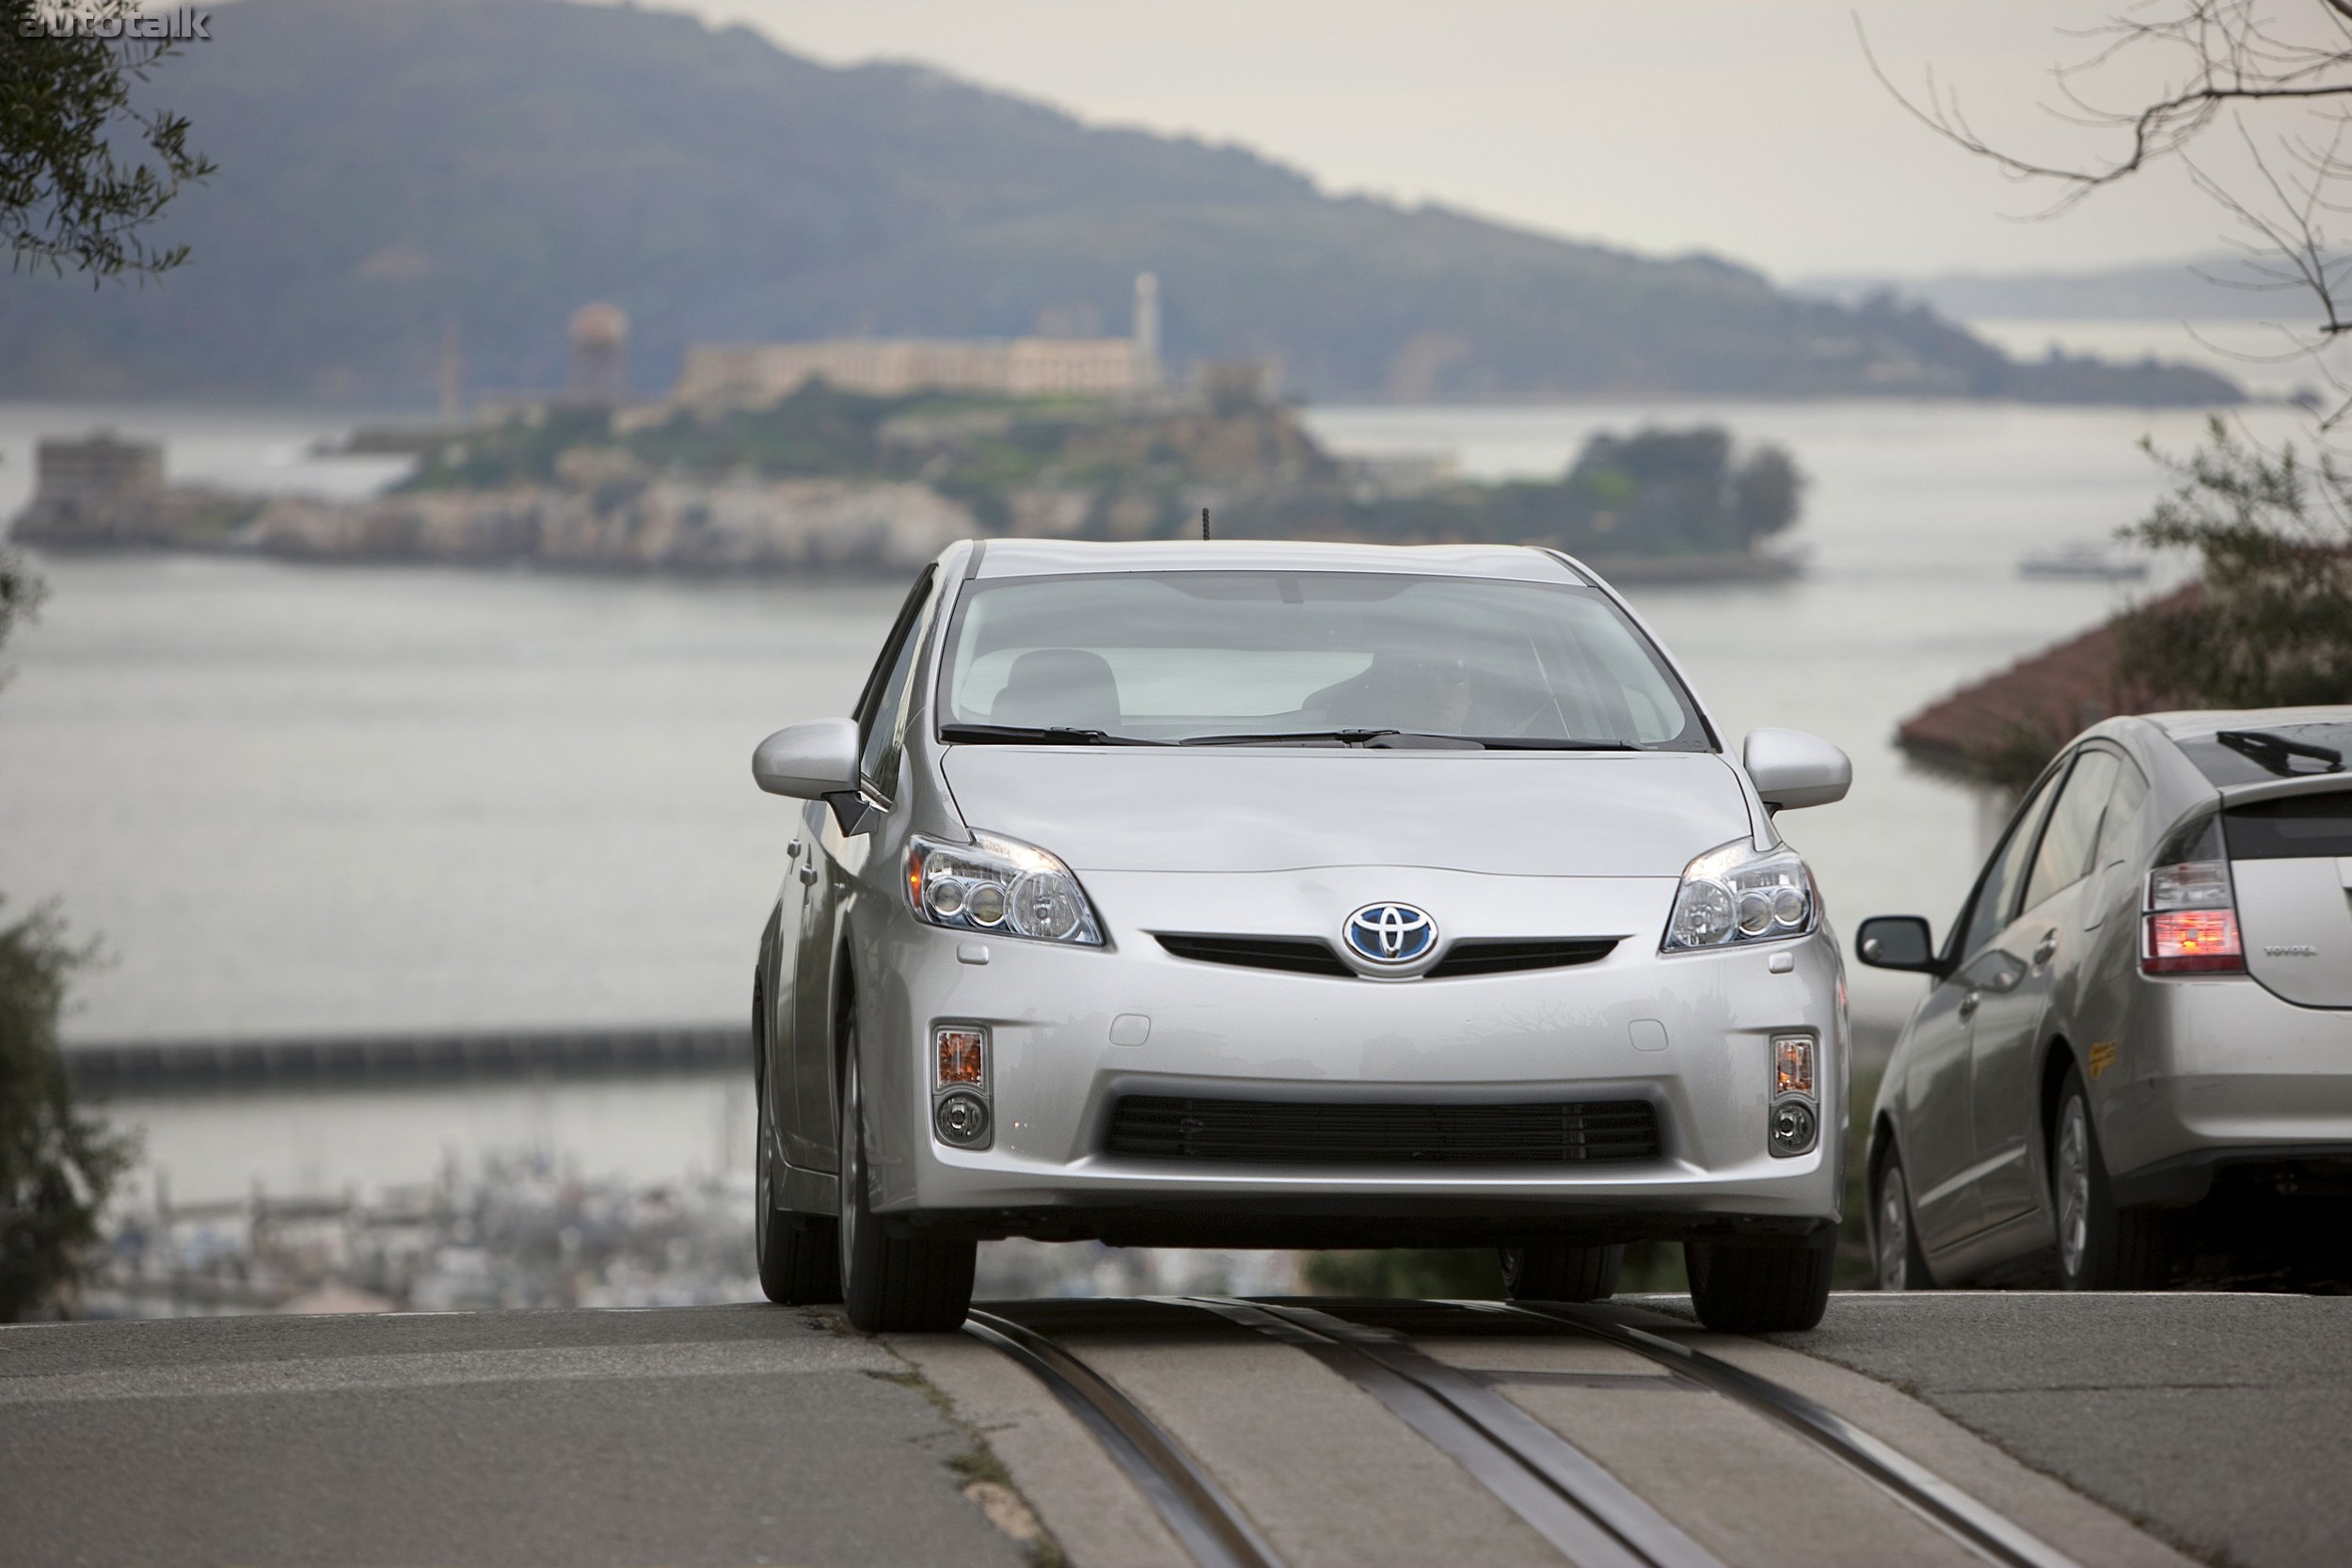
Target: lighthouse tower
x,y
1147,330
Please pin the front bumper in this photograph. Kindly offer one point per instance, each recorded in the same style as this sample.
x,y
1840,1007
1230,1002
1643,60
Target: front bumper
x,y
1220,1030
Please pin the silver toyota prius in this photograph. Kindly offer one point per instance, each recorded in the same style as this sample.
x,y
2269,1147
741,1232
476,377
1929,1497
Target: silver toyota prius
x,y
1291,896
2134,1060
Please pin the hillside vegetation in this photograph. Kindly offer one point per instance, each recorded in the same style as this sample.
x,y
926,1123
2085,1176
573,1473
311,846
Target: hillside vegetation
x,y
1095,470
389,169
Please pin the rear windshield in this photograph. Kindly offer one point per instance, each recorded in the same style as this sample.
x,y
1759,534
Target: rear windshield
x,y
2255,756
1174,655
2298,826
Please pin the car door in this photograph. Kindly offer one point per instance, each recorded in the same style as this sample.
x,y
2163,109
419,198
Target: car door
x,y
1937,1093
2045,941
834,862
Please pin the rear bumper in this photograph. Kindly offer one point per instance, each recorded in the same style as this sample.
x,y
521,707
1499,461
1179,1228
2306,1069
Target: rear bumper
x,y
2185,1179
2222,1072
1222,1032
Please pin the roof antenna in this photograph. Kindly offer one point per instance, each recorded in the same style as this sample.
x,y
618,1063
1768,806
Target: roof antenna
x,y
1204,522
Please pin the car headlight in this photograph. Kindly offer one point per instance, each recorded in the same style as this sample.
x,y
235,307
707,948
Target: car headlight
x,y
1000,886
1734,894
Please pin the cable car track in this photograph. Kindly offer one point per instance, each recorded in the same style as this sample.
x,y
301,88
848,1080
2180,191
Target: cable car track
x,y
1205,1522
1580,1509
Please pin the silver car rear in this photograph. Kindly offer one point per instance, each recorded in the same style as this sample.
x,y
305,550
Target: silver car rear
x,y
2136,1049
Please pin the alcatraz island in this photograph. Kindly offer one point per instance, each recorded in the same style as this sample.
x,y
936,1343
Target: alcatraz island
x,y
874,454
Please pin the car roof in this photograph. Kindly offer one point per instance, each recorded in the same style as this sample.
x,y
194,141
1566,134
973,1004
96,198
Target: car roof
x,y
1011,557
2197,725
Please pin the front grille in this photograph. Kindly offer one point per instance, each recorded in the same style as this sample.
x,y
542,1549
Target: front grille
x,y
1504,955
1298,955
1155,1126
1314,956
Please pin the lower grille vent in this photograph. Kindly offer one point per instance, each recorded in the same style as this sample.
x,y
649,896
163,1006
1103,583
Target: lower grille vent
x,y
1286,1132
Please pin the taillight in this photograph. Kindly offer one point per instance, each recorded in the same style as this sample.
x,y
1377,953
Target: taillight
x,y
2189,914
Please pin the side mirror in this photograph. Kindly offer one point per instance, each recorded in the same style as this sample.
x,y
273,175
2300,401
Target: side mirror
x,y
808,761
1896,942
1792,768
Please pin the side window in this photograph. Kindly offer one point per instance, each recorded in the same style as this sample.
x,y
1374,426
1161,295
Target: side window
x,y
884,728
1996,890
2115,826
2067,843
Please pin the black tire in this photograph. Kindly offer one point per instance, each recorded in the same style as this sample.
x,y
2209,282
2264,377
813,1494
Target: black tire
x,y
1760,1288
799,1259
2100,1247
1557,1271
1894,1252
888,1286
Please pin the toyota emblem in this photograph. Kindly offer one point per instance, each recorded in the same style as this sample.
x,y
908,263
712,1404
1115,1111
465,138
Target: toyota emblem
x,y
1392,935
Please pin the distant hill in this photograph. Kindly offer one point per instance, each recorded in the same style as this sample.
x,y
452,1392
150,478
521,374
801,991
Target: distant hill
x,y
2205,288
389,167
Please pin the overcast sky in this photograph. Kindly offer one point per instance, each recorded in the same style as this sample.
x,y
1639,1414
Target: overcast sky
x,y
1751,128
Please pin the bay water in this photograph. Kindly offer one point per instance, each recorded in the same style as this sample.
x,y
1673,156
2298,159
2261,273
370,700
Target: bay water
x,y
329,798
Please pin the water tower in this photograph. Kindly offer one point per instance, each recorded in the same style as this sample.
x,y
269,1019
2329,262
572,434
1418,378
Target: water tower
x,y
599,355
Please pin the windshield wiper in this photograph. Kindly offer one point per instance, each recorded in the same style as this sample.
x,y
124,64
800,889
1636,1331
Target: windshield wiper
x,y
2278,753
1538,743
1037,734
1291,737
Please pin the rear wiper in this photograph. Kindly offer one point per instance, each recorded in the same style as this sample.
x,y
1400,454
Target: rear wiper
x,y
1292,738
2277,752
1037,734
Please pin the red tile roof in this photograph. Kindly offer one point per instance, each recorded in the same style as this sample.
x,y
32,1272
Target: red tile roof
x,y
2054,694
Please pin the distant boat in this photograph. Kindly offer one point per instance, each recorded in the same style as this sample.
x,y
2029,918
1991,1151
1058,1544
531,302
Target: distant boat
x,y
2102,563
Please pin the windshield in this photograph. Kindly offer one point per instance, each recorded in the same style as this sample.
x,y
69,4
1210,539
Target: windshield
x,y
1310,656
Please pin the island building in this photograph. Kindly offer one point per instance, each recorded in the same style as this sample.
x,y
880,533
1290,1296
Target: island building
x,y
752,374
599,334
96,466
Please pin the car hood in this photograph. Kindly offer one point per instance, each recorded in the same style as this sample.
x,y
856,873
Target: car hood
x,y
1507,812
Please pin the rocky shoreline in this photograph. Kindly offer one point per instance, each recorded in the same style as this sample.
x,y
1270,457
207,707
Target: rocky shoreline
x,y
754,528
754,525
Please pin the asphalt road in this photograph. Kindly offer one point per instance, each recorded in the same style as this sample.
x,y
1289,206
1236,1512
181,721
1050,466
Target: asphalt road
x,y
730,1435
758,1434
2221,1422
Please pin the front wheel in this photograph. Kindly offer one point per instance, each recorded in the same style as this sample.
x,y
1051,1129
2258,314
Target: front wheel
x,y
796,1252
1762,1289
891,1287
2100,1247
1560,1273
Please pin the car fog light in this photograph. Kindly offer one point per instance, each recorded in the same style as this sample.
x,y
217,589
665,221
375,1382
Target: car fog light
x,y
962,1056
1793,1064
1794,1127
962,1118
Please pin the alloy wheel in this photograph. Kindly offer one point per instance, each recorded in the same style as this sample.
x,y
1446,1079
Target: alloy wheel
x,y
1894,1237
763,1177
2074,1189
852,1159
